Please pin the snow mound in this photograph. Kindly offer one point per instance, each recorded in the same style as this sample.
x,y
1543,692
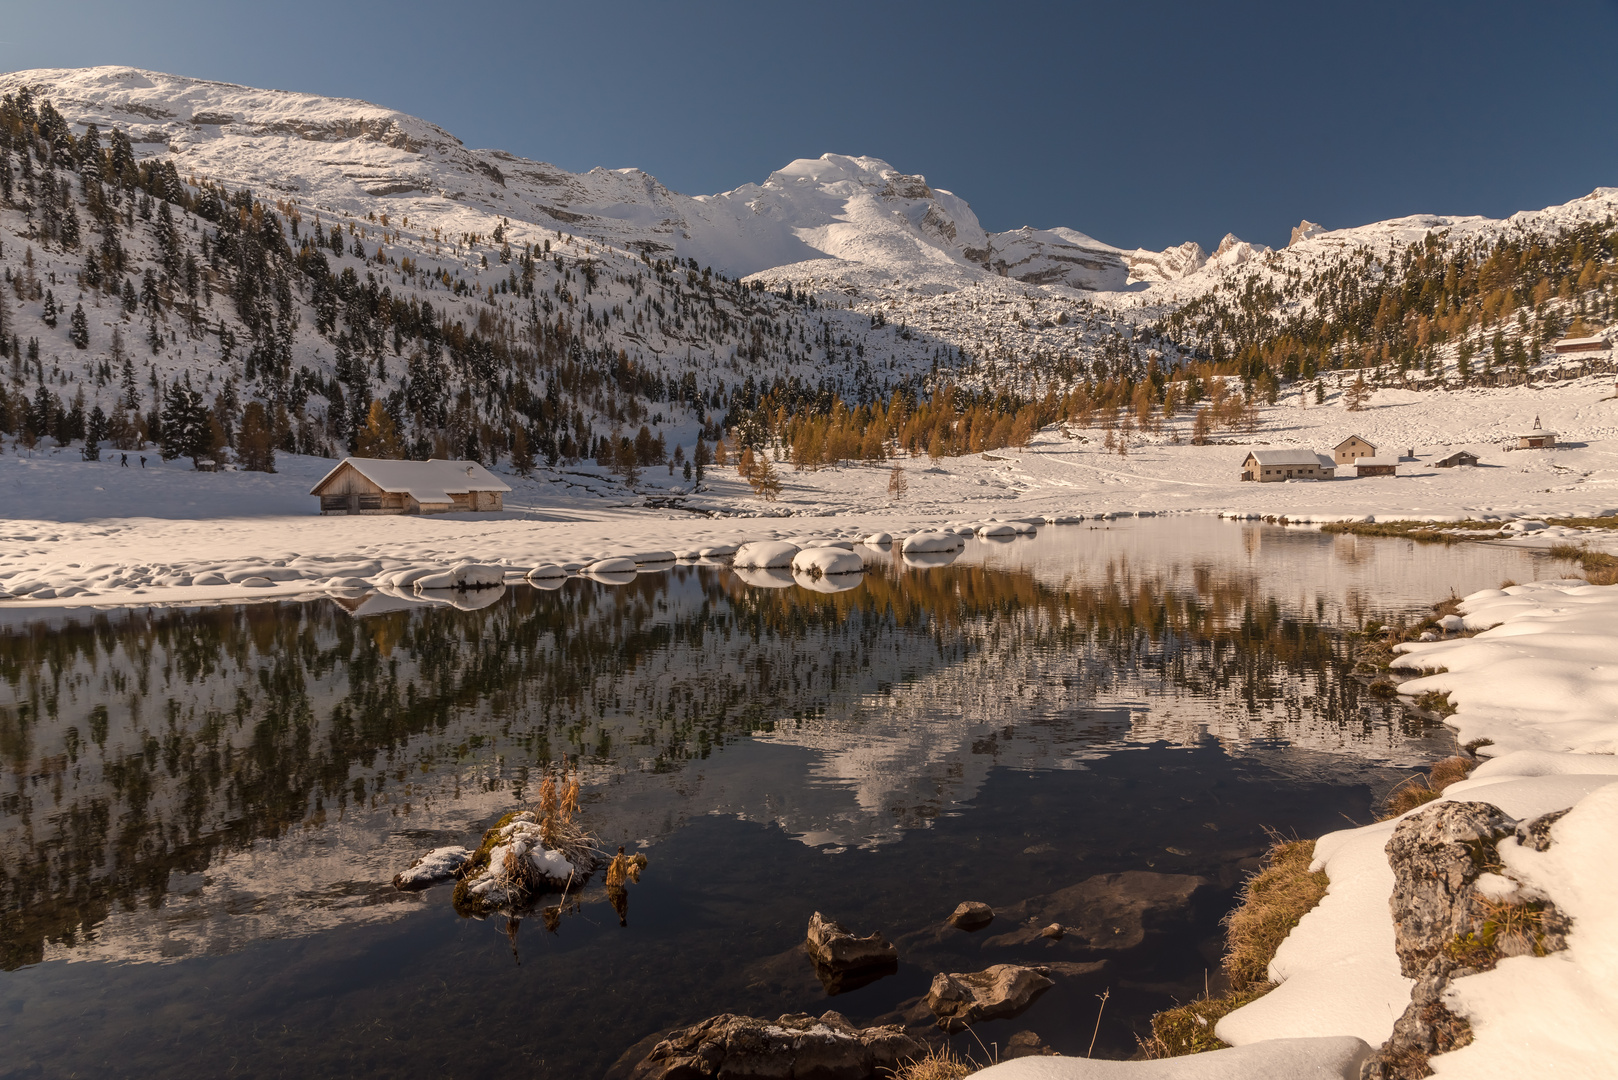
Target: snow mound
x,y
611,566
932,542
765,554
546,571
645,557
825,561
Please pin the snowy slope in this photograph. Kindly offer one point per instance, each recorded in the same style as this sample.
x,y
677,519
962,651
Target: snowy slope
x,y
353,156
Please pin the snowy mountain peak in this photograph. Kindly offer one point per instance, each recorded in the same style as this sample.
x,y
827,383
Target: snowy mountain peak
x,y
1303,230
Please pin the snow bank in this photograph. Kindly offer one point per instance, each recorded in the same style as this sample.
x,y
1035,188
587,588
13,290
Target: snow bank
x,y
1282,1059
546,571
823,561
763,554
1545,677
1543,684
932,542
1555,1015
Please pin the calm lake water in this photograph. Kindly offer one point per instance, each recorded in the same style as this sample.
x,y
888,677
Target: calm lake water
x,y
202,809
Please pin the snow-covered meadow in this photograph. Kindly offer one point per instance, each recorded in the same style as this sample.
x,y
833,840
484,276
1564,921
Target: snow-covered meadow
x,y
102,533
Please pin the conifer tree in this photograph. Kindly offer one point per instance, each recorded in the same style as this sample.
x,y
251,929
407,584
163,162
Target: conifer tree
x,y
79,328
49,312
522,455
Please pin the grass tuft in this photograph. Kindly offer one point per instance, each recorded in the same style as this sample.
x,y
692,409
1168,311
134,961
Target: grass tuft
x,y
1419,790
941,1063
1270,905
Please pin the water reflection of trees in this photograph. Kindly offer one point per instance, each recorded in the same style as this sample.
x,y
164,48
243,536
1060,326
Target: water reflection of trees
x,y
141,744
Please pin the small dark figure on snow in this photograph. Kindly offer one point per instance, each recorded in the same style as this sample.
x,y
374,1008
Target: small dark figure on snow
x,y
143,461
123,459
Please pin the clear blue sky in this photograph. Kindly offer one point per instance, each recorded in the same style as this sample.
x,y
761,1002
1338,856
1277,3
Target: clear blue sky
x,y
1140,123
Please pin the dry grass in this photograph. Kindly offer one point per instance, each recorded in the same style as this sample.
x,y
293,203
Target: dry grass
x,y
1425,532
1269,907
1596,567
1420,790
1272,902
1189,1029
941,1064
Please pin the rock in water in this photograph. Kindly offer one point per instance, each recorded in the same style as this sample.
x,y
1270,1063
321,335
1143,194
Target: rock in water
x,y
1108,912
437,865
960,1000
795,1045
971,915
843,961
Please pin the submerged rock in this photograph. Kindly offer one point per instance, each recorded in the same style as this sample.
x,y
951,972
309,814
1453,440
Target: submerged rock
x,y
971,915
843,961
962,999
1108,912
437,865
794,1045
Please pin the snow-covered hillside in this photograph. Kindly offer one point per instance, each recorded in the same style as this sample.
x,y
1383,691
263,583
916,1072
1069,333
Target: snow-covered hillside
x,y
323,255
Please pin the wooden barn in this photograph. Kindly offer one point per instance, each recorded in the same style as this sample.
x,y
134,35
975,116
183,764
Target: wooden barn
x,y
1569,346
1375,466
1537,439
1460,457
1274,466
385,486
1351,450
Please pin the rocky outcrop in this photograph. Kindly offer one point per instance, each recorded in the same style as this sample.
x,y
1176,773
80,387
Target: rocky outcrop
x,y
843,961
1437,855
1303,230
971,915
1456,914
795,1045
962,999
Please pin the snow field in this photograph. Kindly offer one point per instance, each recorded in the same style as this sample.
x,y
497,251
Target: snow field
x,y
1541,681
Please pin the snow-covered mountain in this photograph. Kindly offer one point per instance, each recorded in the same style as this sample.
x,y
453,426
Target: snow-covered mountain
x,y
484,291
348,155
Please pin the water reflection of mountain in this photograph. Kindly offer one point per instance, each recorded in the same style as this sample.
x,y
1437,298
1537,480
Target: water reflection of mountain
x,y
190,780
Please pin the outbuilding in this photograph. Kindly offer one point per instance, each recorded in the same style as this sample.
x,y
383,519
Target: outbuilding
x,y
1274,466
1375,466
1537,439
1352,449
1571,345
1460,457
386,486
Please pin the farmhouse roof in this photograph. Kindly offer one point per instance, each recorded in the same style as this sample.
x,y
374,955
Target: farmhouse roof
x,y
1286,458
425,481
1376,462
1351,438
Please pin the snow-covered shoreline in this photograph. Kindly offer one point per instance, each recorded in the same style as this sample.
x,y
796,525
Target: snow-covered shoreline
x,y
98,533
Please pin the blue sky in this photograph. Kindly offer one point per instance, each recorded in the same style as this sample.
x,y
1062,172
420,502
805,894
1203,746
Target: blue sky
x,y
1140,123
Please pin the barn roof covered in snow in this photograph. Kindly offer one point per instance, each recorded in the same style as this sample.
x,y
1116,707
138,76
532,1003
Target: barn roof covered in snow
x,y
425,481
1292,458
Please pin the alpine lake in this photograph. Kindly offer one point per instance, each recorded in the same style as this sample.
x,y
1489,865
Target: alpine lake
x,y
203,808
